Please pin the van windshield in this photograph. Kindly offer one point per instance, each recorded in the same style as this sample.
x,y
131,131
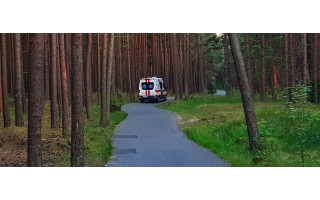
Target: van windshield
x,y
147,86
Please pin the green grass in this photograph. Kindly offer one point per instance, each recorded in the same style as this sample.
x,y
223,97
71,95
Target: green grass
x,y
56,149
98,140
217,123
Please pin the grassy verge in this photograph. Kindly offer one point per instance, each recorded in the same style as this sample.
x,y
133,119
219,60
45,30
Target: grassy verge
x,y
56,149
218,124
98,140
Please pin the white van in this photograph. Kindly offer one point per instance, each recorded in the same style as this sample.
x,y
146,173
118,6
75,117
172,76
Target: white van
x,y
152,89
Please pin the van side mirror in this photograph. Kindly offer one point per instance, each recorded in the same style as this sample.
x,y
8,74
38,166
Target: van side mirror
x,y
165,87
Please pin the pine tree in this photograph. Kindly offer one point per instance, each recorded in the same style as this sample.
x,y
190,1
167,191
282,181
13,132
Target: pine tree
x,y
35,109
77,141
247,101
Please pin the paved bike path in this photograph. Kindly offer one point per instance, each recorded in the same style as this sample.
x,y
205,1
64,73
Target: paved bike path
x,y
150,137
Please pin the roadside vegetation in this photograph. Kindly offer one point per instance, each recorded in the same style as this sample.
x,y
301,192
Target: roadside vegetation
x,y
56,149
290,137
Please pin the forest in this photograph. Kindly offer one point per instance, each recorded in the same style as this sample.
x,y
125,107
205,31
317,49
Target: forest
x,y
61,94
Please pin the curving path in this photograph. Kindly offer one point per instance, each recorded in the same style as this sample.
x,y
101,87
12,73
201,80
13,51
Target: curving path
x,y
150,137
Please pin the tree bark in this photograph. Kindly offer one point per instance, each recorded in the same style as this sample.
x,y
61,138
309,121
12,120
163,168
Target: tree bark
x,y
103,119
263,72
64,88
77,141
1,104
46,67
227,66
187,65
180,67
109,73
176,64
4,73
248,60
286,61
88,78
315,68
35,109
54,98
59,86
305,61
18,82
292,56
129,67
247,101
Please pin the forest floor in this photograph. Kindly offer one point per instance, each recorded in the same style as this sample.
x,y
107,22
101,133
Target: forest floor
x,y
217,123
56,149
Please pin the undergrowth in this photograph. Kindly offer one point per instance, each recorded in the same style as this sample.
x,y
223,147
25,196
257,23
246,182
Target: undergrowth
x,y
220,127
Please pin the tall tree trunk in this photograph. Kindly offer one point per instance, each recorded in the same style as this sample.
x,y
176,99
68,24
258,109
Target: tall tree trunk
x,y
247,101
227,66
263,72
305,61
77,141
99,70
24,75
248,60
286,62
292,56
180,81
129,67
1,104
109,73
88,78
315,68
18,82
176,64
64,88
54,98
103,119
59,87
5,100
46,67
186,66
274,80
35,109
202,75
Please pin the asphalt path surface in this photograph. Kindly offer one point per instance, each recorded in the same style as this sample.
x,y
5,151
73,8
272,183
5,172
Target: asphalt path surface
x,y
150,137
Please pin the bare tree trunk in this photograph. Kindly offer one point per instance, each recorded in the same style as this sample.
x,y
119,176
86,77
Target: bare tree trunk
x,y
103,120
35,108
59,87
305,61
99,70
248,60
187,65
46,67
1,104
176,64
263,81
18,82
64,88
201,68
286,59
88,78
315,68
129,67
77,141
54,98
227,66
109,73
5,100
247,101
292,56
